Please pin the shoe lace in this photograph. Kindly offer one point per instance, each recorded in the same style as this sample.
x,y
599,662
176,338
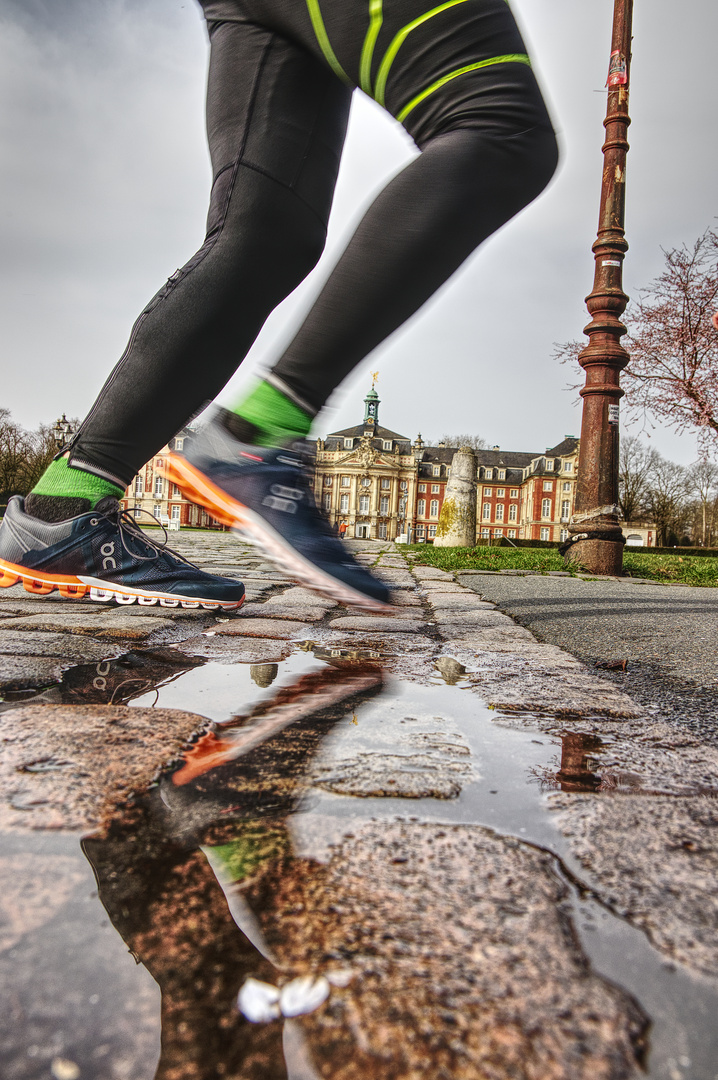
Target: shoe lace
x,y
126,524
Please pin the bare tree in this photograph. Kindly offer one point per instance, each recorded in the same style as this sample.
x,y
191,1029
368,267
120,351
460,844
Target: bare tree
x,y
24,456
673,373
635,462
702,483
476,442
666,502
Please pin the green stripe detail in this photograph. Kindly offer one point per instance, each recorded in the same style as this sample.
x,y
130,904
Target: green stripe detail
x,y
376,18
398,41
321,34
510,58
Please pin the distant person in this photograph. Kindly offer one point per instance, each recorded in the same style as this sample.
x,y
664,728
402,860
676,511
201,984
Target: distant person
x,y
281,75
343,529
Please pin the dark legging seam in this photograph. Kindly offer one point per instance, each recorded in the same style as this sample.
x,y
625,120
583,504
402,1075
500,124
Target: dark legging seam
x,y
286,186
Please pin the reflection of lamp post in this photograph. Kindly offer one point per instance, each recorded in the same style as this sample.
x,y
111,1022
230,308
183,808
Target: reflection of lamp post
x,y
62,432
596,540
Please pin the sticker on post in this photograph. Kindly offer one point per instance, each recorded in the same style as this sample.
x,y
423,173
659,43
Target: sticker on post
x,y
611,262
617,70
613,414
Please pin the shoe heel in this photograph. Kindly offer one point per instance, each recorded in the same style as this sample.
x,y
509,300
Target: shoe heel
x,y
7,579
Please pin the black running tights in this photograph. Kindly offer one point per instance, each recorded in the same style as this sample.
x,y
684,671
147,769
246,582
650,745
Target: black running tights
x,y
277,109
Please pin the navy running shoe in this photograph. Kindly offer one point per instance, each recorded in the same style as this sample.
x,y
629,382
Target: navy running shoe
x,y
264,494
105,554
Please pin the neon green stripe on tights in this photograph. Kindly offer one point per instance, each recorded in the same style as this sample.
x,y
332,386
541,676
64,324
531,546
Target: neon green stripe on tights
x,y
315,15
510,58
376,18
397,42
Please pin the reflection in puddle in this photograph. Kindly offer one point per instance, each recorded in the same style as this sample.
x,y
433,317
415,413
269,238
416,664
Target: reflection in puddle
x,y
440,935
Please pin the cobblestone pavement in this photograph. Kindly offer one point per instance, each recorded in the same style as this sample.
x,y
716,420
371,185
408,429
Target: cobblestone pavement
x,y
483,858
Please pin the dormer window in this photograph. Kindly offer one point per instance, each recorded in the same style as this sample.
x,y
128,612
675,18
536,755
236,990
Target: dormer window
x,y
489,474
502,474
436,470
348,444
549,464
387,444
568,466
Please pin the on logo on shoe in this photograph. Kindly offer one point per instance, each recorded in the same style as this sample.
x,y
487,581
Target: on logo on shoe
x,y
283,498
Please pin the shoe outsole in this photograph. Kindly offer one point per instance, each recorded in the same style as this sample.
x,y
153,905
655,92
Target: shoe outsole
x,y
255,530
70,587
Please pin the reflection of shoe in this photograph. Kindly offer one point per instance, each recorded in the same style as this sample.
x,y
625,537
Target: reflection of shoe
x,y
106,555
264,494
309,695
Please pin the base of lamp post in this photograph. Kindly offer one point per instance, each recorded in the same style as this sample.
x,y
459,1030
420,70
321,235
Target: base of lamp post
x,y
597,556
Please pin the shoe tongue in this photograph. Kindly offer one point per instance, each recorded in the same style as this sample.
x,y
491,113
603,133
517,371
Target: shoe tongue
x,y
108,505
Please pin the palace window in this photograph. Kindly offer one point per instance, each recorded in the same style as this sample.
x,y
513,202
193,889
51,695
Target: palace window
x,y
138,485
563,535
488,491
434,508
366,481
327,502
384,504
499,511
502,474
489,474
568,466
500,493
549,465
179,443
436,471
565,509
419,531
403,485
157,510
512,534
567,485
545,508
421,507
345,481
158,487
548,485
485,534
381,531
513,512
498,532
422,487
363,504
327,481
545,534
175,513
486,512
387,446
176,493
432,532
435,489
344,503
137,510
514,493
385,482
348,444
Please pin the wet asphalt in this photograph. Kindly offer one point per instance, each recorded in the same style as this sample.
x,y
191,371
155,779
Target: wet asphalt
x,y
667,634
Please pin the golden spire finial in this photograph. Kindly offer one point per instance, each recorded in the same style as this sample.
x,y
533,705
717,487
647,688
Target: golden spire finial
x,y
374,377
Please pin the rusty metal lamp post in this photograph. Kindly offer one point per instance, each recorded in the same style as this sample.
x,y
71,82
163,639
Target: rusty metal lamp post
x,y
595,538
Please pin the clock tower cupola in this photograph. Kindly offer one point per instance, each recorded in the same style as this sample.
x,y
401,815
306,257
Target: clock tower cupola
x,y
371,407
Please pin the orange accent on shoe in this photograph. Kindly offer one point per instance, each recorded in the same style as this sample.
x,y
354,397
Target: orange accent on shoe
x,y
199,489
72,592
7,578
39,588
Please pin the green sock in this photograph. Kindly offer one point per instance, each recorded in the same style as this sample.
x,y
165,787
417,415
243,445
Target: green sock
x,y
275,417
59,479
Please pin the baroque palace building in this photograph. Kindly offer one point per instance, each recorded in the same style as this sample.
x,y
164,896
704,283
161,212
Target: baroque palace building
x,y
374,483
379,484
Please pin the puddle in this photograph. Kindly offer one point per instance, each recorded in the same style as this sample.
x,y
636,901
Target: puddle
x,y
223,872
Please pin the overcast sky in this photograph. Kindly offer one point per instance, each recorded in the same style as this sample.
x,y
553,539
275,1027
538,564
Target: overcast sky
x,y
104,176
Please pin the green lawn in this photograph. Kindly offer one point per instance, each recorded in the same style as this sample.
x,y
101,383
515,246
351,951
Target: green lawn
x,y
686,570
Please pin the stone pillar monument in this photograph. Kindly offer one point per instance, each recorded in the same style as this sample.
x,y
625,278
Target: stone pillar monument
x,y
457,521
